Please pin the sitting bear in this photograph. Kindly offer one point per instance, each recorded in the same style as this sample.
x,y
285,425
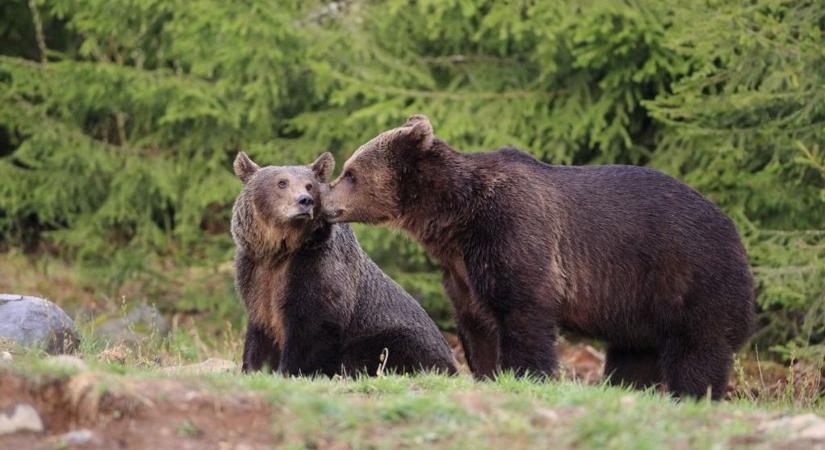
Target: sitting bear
x,y
623,254
316,302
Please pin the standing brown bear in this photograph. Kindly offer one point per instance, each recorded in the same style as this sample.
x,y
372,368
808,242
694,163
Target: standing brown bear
x,y
317,304
623,254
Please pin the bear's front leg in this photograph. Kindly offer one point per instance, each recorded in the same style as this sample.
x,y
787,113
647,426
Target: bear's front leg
x,y
480,341
528,337
259,348
311,350
476,327
515,294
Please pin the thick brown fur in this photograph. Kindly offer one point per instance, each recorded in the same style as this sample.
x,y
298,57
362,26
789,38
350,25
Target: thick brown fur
x,y
316,303
623,254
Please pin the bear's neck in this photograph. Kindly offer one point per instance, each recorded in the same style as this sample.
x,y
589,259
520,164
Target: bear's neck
x,y
263,241
438,198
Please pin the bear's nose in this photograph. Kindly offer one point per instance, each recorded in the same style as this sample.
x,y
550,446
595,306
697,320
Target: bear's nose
x,y
306,201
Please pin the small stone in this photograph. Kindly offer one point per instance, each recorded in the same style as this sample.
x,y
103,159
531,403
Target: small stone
x,y
23,418
6,356
627,400
79,437
211,365
814,428
67,361
544,417
805,426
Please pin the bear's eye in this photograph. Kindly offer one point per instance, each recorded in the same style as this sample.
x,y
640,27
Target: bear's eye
x,y
349,176
309,188
282,184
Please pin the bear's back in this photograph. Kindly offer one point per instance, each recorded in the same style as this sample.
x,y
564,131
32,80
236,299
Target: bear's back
x,y
610,201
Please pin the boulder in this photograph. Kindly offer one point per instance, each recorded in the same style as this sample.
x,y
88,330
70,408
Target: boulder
x,y
137,324
801,427
35,322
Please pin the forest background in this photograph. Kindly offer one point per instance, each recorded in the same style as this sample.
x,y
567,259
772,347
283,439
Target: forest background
x,y
119,121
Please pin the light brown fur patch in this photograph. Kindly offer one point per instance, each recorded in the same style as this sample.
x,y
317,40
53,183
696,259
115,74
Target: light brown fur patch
x,y
267,298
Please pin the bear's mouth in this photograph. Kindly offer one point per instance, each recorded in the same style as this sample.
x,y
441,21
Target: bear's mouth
x,y
331,215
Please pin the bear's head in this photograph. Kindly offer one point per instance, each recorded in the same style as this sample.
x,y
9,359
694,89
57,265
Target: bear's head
x,y
368,188
277,204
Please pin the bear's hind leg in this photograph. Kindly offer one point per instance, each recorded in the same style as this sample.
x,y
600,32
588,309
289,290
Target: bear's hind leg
x,y
693,368
364,355
405,353
636,368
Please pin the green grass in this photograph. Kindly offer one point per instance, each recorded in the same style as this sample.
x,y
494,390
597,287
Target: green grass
x,y
426,411
435,411
458,412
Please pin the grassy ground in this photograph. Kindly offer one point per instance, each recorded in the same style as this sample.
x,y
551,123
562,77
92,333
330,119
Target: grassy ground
x,y
135,395
204,314
427,411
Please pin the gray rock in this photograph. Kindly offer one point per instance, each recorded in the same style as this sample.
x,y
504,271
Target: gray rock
x,y
36,322
67,362
23,418
805,426
137,324
82,436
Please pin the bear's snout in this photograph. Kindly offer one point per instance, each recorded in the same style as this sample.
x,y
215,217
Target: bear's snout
x,y
306,202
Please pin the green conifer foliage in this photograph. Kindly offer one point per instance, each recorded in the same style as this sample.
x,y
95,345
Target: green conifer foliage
x,y
119,120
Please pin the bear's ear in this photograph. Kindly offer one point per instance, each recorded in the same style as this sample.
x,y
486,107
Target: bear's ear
x,y
244,167
323,166
419,130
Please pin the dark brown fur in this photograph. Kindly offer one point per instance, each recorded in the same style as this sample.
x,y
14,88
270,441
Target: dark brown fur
x,y
619,253
316,302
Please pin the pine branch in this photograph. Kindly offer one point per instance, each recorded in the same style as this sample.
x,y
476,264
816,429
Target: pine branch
x,y
446,95
38,31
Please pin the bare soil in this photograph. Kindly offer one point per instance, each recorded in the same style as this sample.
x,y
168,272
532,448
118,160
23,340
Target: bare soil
x,y
169,413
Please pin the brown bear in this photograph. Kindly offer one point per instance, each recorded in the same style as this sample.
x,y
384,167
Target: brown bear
x,y
623,254
316,302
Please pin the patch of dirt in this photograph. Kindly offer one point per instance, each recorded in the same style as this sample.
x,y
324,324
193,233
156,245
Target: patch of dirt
x,y
136,414
578,361
581,362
